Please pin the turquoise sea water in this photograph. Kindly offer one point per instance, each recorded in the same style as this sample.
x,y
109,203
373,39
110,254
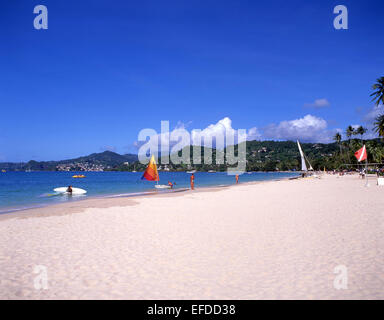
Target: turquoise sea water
x,y
20,190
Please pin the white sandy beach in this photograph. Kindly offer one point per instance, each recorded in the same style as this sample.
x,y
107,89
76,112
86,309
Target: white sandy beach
x,y
271,240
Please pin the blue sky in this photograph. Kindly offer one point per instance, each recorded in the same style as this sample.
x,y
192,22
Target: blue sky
x,y
104,70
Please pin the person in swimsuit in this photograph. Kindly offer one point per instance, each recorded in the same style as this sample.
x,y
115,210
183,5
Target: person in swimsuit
x,y
192,181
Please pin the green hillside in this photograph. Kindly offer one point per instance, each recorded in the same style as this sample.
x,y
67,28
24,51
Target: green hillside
x,y
260,156
93,162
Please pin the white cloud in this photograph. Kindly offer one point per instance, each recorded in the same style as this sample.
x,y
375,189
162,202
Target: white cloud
x,y
253,134
214,133
307,129
318,103
223,128
370,117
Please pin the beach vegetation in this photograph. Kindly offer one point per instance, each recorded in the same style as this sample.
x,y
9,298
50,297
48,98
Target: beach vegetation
x,y
378,94
378,125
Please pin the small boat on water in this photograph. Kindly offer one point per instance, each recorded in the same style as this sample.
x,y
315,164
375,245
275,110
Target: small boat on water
x,y
78,176
3,171
192,171
151,174
162,186
75,191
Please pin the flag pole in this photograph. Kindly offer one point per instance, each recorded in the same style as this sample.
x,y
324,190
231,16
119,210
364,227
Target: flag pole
x,y
366,173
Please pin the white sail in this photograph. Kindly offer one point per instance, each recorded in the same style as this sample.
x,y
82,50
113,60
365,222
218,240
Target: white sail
x,y
303,165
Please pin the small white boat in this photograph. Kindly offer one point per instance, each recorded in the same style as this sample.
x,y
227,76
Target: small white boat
x,y
151,174
303,158
75,191
307,172
162,186
192,171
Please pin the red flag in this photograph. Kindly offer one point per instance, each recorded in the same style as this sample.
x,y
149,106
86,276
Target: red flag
x,y
361,154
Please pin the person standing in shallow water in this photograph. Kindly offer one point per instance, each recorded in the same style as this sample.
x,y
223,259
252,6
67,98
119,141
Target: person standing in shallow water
x,y
237,178
192,181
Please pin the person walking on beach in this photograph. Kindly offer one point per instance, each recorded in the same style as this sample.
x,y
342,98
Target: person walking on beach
x,y
192,181
237,178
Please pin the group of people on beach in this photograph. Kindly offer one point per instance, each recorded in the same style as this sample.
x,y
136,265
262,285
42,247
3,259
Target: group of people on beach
x,y
192,181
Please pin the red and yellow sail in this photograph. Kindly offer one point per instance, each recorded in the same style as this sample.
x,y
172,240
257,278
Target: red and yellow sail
x,y
151,173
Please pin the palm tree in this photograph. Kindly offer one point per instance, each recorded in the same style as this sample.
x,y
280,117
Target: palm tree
x,y
337,139
378,95
361,130
375,150
378,125
350,132
378,154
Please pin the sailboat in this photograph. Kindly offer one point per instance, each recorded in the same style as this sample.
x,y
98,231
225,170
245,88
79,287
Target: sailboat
x,y
304,159
151,174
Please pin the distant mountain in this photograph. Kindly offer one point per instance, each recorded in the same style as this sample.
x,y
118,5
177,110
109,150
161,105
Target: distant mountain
x,y
107,158
93,162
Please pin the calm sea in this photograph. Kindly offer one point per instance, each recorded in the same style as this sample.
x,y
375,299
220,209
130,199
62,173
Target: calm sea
x,y
21,190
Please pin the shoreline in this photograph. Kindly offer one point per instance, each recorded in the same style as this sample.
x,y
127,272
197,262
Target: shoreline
x,y
75,203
